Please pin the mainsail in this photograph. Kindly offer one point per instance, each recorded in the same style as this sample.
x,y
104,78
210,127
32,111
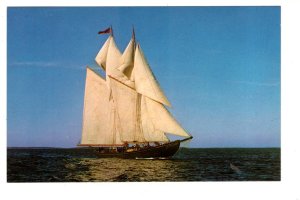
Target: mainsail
x,y
128,106
128,112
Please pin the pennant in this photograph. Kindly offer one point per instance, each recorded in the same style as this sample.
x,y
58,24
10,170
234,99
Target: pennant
x,y
108,30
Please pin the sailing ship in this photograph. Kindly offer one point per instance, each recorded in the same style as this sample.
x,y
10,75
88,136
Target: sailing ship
x,y
125,112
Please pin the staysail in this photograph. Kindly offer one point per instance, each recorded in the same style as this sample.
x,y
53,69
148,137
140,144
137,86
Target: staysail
x,y
162,119
129,105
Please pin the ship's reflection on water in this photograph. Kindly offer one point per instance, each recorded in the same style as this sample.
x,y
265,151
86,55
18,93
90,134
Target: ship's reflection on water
x,y
113,169
73,165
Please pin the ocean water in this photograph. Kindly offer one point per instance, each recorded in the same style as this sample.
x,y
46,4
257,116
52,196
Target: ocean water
x,y
189,164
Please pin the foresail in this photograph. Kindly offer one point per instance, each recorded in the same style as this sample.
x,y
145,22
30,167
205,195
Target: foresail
x,y
126,101
97,116
145,82
102,54
162,119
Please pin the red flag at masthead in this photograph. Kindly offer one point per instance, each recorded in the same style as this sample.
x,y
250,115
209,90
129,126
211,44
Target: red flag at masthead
x,y
108,30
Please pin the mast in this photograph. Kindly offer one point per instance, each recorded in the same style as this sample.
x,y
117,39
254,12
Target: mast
x,y
139,124
133,36
111,31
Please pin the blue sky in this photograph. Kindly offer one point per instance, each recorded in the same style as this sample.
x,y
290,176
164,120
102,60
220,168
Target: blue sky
x,y
218,66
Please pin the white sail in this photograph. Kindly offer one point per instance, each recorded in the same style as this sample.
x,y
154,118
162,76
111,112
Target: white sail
x,y
123,72
135,121
128,112
113,61
127,60
97,117
102,54
150,132
162,119
145,82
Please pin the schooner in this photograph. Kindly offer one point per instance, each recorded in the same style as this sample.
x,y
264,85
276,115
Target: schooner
x,y
125,113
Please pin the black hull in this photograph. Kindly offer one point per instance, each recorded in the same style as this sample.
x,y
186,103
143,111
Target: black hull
x,y
166,150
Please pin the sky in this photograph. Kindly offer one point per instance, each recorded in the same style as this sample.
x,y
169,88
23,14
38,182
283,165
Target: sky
x,y
218,66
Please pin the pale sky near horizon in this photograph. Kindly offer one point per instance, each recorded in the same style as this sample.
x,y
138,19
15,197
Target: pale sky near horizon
x,y
218,66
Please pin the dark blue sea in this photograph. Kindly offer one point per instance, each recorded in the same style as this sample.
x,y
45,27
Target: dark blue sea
x,y
189,164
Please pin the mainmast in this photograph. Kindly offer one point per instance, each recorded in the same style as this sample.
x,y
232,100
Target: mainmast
x,y
111,31
133,37
139,128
